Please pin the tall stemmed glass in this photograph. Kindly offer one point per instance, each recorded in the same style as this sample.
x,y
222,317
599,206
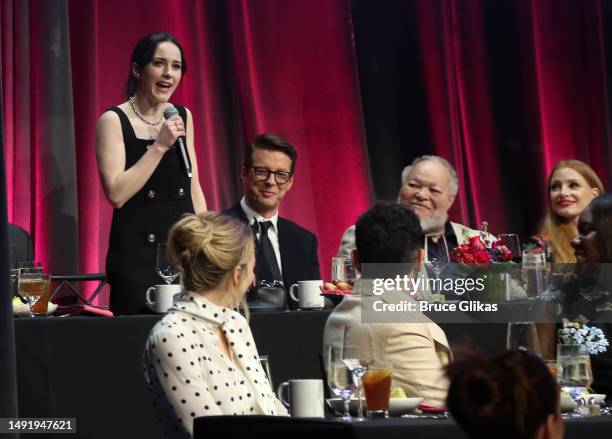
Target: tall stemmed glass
x,y
32,285
163,267
358,365
23,267
340,378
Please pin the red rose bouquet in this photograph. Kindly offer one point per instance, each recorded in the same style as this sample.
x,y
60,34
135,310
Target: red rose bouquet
x,y
490,264
477,253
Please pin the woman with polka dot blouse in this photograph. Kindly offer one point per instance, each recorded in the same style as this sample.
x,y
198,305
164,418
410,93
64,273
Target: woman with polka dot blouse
x,y
201,359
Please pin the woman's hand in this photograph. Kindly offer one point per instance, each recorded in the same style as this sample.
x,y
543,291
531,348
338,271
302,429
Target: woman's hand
x,y
170,131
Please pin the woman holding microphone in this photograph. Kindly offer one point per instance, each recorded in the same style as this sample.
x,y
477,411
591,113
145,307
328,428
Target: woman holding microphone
x,y
143,171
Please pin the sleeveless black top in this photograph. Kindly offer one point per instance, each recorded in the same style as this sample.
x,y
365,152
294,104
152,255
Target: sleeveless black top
x,y
143,222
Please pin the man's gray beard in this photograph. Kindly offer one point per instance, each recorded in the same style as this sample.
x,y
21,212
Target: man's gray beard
x,y
433,224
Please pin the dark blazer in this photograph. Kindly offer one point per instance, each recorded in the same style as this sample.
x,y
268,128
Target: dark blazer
x,y
298,249
22,242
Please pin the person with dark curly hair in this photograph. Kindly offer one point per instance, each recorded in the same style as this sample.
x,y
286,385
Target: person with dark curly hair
x,y
510,395
390,233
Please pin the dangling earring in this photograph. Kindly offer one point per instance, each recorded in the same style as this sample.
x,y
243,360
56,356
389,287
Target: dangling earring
x,y
136,75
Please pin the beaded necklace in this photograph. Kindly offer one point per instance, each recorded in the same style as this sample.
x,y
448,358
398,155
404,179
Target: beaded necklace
x,y
140,115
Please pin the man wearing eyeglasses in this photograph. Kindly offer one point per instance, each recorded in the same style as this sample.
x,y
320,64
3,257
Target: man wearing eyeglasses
x,y
285,252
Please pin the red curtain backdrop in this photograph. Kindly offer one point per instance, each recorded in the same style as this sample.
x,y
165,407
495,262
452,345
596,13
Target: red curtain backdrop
x,y
284,67
563,82
288,67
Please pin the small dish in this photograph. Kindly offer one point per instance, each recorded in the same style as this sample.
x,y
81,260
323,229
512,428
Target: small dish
x,y
401,406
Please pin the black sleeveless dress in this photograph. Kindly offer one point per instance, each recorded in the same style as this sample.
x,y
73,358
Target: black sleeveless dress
x,y
143,222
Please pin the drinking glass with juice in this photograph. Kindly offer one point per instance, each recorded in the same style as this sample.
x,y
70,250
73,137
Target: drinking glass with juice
x,y
377,386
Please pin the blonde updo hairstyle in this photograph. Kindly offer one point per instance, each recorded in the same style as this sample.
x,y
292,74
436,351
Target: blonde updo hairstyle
x,y
558,230
205,248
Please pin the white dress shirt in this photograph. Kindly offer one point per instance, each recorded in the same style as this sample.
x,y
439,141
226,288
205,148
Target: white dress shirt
x,y
253,216
188,374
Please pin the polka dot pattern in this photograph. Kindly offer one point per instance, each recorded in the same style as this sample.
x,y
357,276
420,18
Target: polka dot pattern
x,y
188,374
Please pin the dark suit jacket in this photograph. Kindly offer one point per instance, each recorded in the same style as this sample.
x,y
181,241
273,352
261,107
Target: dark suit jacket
x,y
22,242
298,249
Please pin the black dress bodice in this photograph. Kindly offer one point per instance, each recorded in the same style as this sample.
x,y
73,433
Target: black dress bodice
x,y
143,222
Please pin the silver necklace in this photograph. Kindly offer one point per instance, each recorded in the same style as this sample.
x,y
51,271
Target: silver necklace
x,y
140,115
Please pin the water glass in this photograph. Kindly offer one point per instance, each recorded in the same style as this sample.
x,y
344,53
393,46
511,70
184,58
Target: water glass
x,y
340,378
535,273
574,368
163,267
358,365
342,269
523,336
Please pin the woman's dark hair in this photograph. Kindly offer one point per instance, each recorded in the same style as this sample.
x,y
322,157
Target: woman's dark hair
x,y
143,54
601,211
509,395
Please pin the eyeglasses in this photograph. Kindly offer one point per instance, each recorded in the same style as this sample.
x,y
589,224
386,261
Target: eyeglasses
x,y
262,174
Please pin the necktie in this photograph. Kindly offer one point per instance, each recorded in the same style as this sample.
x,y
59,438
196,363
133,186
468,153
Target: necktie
x,y
268,266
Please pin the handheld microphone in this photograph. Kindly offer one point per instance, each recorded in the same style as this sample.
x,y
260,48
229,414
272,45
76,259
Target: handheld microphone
x,y
168,113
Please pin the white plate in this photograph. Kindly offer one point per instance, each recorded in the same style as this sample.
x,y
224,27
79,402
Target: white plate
x,y
397,406
401,406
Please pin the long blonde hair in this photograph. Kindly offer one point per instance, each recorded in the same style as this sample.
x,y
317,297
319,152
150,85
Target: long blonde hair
x,y
205,248
558,230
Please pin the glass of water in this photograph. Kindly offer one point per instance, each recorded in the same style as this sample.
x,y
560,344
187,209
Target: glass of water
x,y
574,368
341,379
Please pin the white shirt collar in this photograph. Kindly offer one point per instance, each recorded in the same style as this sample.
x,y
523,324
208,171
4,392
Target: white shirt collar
x,y
253,216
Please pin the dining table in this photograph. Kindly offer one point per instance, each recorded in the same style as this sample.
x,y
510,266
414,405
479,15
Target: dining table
x,y
272,427
89,368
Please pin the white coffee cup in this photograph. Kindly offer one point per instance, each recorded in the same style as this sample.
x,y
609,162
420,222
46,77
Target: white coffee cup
x,y
305,398
163,297
309,294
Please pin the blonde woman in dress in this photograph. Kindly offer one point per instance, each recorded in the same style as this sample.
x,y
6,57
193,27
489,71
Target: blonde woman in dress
x,y
201,359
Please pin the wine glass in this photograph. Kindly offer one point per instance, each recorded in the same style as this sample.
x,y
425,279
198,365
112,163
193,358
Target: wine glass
x,y
340,379
358,365
574,368
163,267
32,285
23,267
512,241
523,336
